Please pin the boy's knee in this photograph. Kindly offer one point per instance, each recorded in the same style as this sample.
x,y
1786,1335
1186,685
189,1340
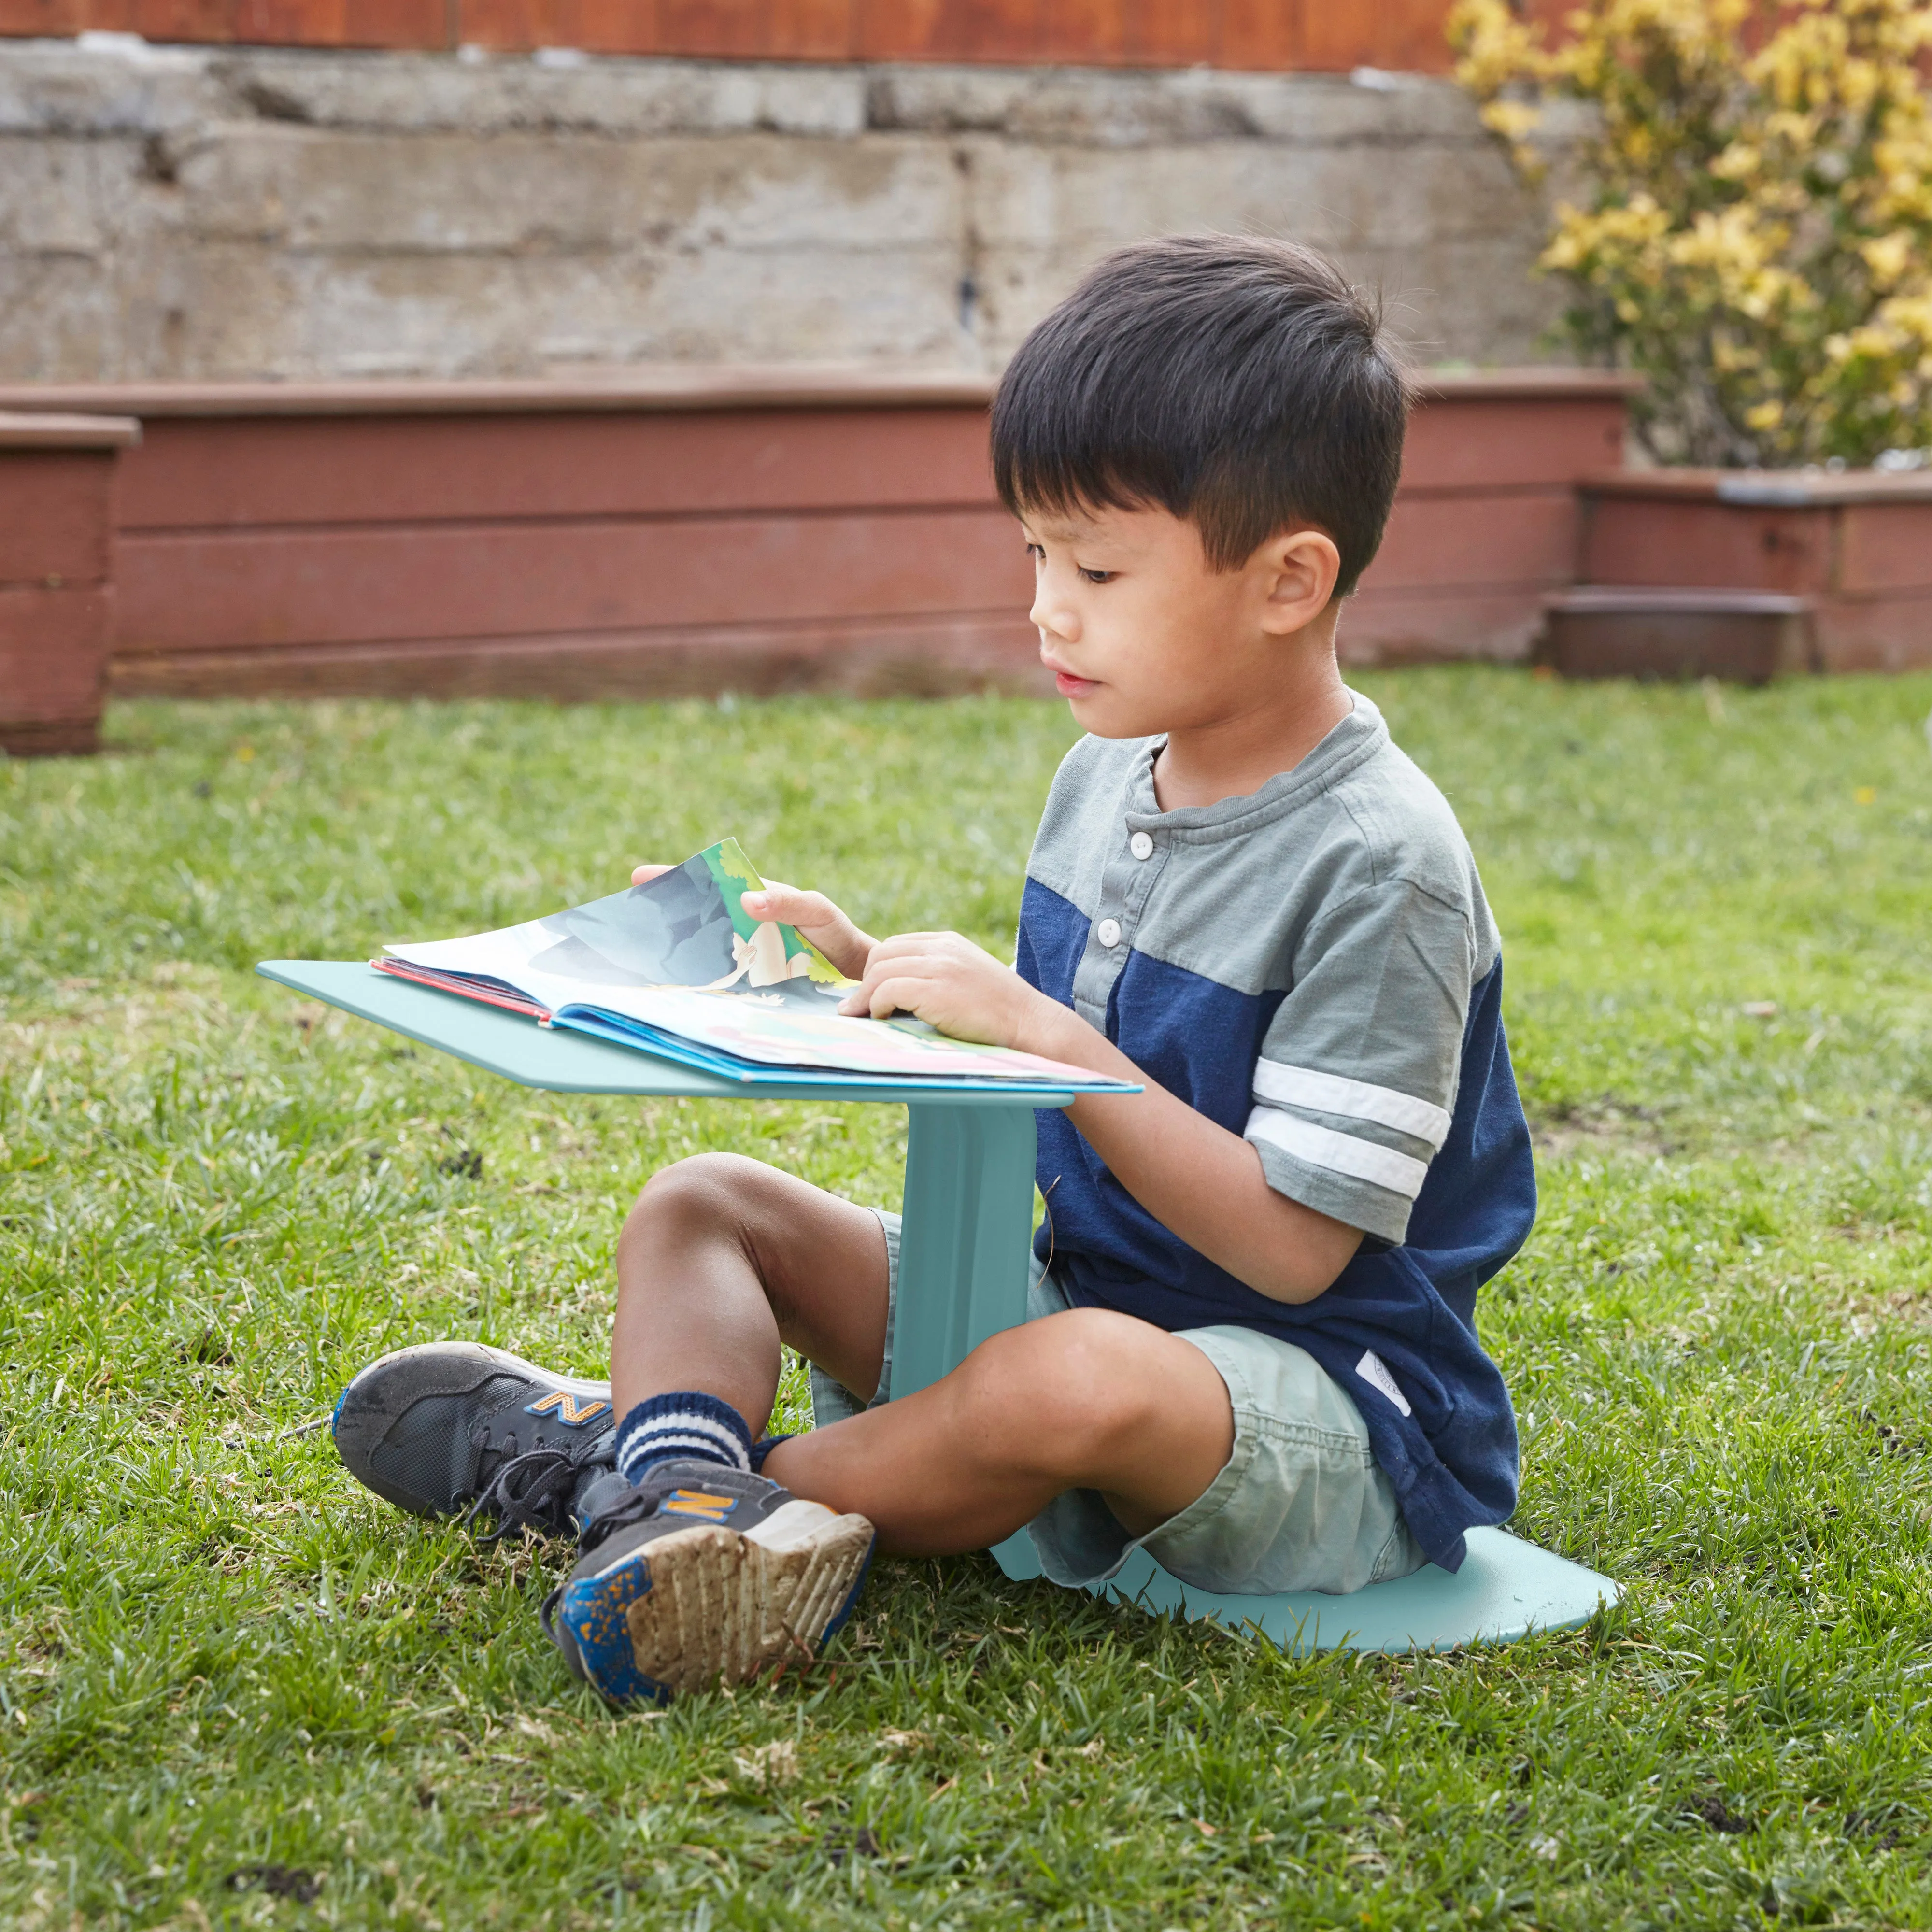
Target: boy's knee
x,y
704,1194
1071,1384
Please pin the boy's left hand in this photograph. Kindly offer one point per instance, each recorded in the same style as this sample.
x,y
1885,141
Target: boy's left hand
x,y
951,984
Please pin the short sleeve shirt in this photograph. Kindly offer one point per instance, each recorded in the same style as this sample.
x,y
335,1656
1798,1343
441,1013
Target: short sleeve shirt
x,y
1300,960
1314,967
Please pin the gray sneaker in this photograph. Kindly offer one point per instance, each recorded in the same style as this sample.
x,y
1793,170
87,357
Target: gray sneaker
x,y
703,1575
451,1426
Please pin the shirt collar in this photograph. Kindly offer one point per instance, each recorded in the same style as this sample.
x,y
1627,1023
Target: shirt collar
x,y
1358,736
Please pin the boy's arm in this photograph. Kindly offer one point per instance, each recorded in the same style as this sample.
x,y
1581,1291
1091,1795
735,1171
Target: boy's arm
x,y
1194,1176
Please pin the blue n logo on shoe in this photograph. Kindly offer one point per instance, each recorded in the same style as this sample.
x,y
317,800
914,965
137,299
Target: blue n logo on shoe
x,y
701,1503
568,1410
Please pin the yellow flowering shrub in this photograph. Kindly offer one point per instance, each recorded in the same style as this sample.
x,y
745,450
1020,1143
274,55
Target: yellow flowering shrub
x,y
1758,241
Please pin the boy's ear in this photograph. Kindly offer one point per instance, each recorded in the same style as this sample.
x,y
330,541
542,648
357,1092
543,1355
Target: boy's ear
x,y
1301,567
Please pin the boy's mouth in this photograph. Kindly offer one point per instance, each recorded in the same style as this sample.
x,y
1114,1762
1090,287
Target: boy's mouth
x,y
1070,686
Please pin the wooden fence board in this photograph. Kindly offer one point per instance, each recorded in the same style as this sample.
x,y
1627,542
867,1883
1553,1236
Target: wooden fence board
x,y
1882,547
1268,34
260,589
222,472
55,532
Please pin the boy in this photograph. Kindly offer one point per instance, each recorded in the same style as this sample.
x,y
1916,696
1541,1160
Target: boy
x,y
1251,1342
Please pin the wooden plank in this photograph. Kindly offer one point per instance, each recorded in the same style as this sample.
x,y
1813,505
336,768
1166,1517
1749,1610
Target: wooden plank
x,y
1522,539
1648,540
685,387
1782,489
906,29
389,24
1090,33
265,590
712,29
1432,625
1885,547
1411,37
1004,31
825,30
53,661
237,474
1268,34
1881,633
1265,34
902,657
1173,33
30,429
508,26
201,20
592,26
1483,442
647,388
56,517
43,19
292,23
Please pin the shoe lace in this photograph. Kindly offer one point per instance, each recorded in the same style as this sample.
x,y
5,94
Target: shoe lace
x,y
642,1502
533,1493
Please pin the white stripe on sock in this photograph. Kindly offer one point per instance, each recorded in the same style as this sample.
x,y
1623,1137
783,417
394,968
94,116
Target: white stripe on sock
x,y
684,1428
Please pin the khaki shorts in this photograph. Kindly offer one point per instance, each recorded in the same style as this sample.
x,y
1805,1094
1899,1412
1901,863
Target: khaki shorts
x,y
1301,1504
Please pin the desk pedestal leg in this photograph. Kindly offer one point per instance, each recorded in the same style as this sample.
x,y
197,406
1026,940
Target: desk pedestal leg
x,y
963,1258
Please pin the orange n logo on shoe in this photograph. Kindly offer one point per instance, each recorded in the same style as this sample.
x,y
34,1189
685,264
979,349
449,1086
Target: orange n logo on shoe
x,y
571,1412
700,1502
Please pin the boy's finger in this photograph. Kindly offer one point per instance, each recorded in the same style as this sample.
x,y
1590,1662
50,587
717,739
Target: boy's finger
x,y
899,995
864,998
794,907
644,874
904,946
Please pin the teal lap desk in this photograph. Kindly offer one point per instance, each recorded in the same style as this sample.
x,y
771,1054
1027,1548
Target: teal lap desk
x,y
968,1206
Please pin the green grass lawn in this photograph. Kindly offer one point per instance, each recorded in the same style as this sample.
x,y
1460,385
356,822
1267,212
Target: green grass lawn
x,y
235,1689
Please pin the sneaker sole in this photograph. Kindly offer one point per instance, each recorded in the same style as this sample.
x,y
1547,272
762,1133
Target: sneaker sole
x,y
706,1606
355,1456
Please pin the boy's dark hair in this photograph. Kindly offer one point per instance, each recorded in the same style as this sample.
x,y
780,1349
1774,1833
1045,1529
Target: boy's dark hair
x,y
1241,383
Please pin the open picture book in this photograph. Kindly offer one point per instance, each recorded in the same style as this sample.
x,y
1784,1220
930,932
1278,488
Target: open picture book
x,y
677,967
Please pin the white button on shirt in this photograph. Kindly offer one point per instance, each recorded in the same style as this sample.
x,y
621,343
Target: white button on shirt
x,y
1108,932
1140,846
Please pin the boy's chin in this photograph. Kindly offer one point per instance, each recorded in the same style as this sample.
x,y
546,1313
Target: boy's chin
x,y
1101,713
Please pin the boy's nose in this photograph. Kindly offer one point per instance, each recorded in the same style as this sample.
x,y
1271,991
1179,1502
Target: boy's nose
x,y
1054,620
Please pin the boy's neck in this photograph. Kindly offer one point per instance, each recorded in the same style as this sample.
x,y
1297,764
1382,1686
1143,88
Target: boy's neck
x,y
1232,756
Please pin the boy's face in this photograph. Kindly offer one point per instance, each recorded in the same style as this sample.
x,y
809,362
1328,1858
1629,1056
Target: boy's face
x,y
1145,636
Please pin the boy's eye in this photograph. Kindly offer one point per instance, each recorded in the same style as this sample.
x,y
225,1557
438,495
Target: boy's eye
x,y
1034,551
1100,576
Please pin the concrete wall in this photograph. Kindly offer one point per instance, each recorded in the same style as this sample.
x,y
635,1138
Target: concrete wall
x,y
190,213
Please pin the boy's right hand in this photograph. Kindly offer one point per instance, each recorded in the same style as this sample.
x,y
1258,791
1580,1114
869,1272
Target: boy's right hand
x,y
812,914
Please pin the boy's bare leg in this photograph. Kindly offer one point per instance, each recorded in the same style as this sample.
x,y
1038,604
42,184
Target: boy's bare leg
x,y
723,1259
1085,1400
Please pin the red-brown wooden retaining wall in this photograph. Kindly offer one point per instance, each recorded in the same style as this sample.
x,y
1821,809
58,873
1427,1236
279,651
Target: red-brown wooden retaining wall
x,y
1317,36
57,476
1857,548
694,530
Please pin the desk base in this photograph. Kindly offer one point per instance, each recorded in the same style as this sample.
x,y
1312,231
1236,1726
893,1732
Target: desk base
x,y
1506,1588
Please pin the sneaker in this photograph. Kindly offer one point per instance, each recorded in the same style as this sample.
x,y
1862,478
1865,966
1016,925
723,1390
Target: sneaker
x,y
452,1425
703,1575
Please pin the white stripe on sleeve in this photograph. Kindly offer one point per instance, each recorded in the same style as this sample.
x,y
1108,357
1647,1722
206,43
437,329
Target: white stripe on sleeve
x,y
1354,1099
1340,1154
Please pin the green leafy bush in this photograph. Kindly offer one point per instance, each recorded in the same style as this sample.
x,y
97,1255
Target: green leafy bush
x,y
1758,236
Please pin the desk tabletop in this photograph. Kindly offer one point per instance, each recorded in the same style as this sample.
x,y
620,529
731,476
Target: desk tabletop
x,y
559,1061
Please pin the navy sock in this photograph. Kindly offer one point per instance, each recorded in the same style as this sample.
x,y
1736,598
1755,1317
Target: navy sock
x,y
763,1447
685,1425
